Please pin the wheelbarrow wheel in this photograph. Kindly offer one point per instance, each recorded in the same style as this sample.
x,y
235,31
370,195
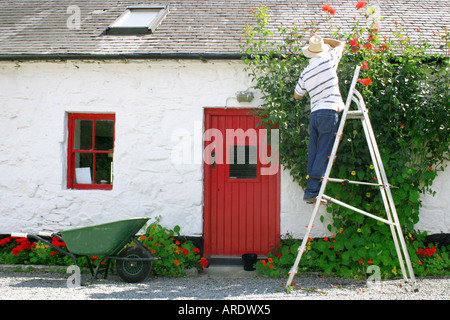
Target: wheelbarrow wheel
x,y
133,271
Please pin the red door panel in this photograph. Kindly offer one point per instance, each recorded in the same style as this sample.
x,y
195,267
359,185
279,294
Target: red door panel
x,y
241,205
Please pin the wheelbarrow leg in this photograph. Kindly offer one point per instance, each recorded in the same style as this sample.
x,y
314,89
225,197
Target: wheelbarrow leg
x,y
90,265
107,267
97,269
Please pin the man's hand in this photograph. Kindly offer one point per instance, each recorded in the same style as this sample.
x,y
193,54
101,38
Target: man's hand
x,y
334,43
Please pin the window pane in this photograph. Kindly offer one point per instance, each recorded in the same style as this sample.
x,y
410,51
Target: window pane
x,y
104,135
103,168
83,168
83,135
243,162
137,18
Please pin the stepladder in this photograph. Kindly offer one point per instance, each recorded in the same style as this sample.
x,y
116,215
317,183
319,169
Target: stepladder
x,y
389,216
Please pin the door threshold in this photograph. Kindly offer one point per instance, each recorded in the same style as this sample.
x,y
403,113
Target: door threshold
x,y
229,260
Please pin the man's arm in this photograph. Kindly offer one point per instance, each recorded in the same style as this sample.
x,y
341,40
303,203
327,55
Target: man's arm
x,y
334,43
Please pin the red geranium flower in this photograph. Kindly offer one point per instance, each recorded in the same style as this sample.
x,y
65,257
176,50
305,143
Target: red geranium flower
x,y
426,252
24,244
185,251
57,242
5,240
15,251
204,263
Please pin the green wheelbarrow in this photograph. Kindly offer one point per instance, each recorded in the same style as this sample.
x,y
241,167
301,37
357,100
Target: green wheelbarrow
x,y
106,241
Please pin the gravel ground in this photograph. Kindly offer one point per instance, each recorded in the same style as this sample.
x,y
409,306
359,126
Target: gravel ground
x,y
44,285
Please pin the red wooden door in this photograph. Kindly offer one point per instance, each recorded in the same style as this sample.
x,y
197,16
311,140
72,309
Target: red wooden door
x,y
241,200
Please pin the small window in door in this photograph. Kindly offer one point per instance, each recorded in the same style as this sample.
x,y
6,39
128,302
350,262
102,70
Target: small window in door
x,y
243,162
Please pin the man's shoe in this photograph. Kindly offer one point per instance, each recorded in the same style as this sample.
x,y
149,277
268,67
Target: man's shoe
x,y
310,199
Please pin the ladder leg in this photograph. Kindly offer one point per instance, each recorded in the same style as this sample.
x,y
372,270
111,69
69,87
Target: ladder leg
x,y
376,164
402,240
302,247
387,196
339,133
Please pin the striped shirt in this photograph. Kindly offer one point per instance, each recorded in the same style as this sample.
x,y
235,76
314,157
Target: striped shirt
x,y
321,82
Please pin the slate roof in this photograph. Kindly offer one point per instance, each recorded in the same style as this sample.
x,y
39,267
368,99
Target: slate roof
x,y
37,29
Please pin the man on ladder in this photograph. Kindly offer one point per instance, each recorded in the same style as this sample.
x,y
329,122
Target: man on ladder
x,y
320,80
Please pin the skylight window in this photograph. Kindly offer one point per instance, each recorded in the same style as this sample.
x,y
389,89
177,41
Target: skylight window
x,y
137,20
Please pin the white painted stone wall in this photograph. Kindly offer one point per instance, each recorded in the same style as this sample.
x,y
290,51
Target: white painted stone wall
x,y
435,211
155,102
152,100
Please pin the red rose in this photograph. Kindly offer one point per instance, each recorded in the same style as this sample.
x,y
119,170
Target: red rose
x,y
354,42
360,4
328,9
365,81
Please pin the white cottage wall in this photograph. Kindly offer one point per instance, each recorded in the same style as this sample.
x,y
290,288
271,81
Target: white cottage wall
x,y
159,107
154,101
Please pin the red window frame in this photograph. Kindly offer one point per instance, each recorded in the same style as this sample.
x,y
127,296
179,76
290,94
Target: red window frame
x,y
71,152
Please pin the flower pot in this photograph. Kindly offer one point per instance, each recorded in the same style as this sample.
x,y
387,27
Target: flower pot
x,y
249,259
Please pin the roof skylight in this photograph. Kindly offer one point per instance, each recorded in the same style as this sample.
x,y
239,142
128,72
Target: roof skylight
x,y
138,20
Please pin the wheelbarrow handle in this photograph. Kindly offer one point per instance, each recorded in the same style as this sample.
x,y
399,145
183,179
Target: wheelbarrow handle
x,y
41,237
25,235
19,235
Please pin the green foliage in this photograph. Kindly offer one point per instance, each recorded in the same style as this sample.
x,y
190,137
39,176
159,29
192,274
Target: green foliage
x,y
351,251
22,251
176,256
406,89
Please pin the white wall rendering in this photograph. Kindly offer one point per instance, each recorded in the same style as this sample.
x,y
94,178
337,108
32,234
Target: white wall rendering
x,y
159,106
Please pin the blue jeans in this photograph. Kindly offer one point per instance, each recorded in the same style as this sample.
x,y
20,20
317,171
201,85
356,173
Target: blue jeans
x,y
323,125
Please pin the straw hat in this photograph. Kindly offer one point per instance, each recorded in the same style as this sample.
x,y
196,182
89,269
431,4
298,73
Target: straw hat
x,y
316,47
